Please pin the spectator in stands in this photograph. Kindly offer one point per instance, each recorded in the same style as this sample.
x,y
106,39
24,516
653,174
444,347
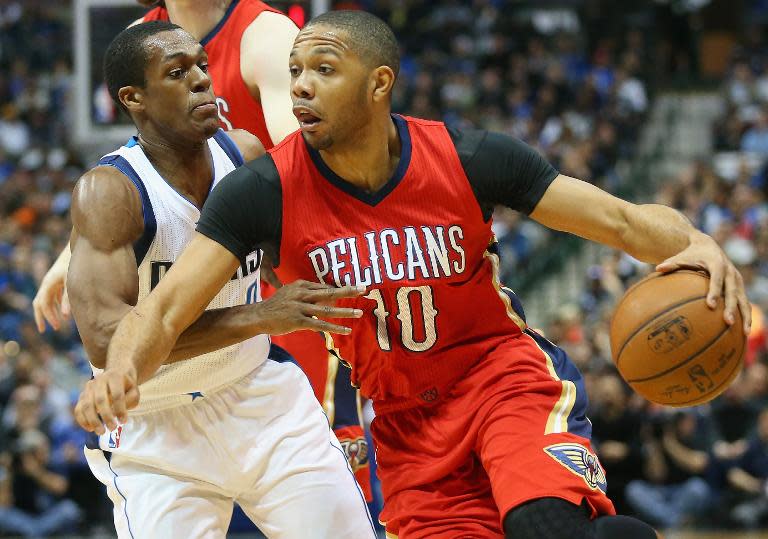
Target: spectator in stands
x,y
616,429
675,493
36,490
749,477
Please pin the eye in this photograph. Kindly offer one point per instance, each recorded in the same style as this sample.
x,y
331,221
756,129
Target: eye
x,y
325,69
176,73
204,67
295,71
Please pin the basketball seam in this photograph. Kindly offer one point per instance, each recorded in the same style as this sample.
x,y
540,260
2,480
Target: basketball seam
x,y
648,320
686,360
718,386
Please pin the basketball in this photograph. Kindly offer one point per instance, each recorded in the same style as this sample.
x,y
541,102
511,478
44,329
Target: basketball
x,y
669,346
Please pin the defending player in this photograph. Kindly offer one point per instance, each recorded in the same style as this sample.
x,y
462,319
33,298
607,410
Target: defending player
x,y
481,428
247,43
230,424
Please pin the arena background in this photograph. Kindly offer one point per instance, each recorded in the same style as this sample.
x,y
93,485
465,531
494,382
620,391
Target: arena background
x,y
662,101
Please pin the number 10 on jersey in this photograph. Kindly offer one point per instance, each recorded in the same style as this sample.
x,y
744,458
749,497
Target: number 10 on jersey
x,y
405,313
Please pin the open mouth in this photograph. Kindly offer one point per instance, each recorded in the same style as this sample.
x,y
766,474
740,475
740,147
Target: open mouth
x,y
307,117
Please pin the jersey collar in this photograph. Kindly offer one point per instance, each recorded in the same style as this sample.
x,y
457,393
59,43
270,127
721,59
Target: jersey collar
x,y
372,199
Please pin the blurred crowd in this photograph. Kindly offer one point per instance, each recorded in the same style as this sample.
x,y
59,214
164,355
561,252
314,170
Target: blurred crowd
x,y
470,64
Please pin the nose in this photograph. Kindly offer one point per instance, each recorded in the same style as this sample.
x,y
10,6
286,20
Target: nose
x,y
200,80
302,86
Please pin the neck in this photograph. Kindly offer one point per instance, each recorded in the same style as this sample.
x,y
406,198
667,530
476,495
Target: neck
x,y
370,159
187,167
198,17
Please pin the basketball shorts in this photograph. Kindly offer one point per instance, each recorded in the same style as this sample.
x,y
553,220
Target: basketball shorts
x,y
263,442
331,382
512,430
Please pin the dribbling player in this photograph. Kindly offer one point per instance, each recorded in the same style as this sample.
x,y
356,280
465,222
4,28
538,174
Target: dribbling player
x,y
481,428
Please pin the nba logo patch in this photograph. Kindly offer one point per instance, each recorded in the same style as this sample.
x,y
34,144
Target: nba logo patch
x,y
580,461
114,437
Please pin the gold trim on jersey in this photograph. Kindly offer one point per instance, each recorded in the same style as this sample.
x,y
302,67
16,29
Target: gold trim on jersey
x,y
557,421
329,396
494,259
390,535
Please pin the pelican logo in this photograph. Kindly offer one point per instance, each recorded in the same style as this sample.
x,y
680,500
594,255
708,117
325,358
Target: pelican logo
x,y
357,452
580,461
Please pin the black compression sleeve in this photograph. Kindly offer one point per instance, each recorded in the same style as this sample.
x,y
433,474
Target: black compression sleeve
x,y
245,210
502,170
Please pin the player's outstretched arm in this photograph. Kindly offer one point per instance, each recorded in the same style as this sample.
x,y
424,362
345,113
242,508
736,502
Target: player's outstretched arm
x,y
51,303
147,334
650,232
267,75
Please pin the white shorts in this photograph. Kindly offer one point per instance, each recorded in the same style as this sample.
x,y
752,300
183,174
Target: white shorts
x,y
263,442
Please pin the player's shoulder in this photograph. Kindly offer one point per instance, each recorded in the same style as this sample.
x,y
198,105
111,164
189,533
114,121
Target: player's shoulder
x,y
248,143
267,26
105,201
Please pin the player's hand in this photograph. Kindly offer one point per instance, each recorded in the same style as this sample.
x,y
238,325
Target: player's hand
x,y
51,302
724,279
106,399
304,305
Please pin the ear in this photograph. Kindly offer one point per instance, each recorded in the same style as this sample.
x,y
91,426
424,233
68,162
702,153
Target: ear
x,y
132,98
382,81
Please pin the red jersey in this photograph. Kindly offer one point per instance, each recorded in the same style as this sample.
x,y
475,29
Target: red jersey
x,y
238,109
434,306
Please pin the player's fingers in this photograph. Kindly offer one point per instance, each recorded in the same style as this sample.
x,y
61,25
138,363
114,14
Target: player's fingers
x,y
104,404
328,311
132,397
39,319
670,264
88,418
331,293
321,325
116,387
716,278
745,308
66,310
51,314
731,300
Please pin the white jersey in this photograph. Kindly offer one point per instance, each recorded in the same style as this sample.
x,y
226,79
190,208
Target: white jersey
x,y
169,223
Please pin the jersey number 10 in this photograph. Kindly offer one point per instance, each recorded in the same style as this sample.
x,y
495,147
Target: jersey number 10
x,y
405,315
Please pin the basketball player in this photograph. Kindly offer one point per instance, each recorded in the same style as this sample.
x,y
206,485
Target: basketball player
x,y
481,428
230,424
248,43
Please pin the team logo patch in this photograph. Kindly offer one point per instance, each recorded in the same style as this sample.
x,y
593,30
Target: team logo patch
x,y
579,460
356,451
114,437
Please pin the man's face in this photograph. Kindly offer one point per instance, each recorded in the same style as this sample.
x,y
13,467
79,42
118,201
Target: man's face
x,y
329,87
178,96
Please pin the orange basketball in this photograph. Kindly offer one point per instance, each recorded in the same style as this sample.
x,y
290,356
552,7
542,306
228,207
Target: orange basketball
x,y
669,346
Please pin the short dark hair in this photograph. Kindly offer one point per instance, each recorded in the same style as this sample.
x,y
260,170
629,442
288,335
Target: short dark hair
x,y
372,39
125,61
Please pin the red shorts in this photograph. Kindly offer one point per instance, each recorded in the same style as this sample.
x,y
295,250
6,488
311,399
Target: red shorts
x,y
512,430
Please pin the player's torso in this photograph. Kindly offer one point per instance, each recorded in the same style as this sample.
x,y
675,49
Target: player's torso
x,y
433,305
169,224
238,109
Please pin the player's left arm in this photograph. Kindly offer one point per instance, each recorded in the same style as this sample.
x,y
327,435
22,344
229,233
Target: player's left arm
x,y
505,171
266,73
650,232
